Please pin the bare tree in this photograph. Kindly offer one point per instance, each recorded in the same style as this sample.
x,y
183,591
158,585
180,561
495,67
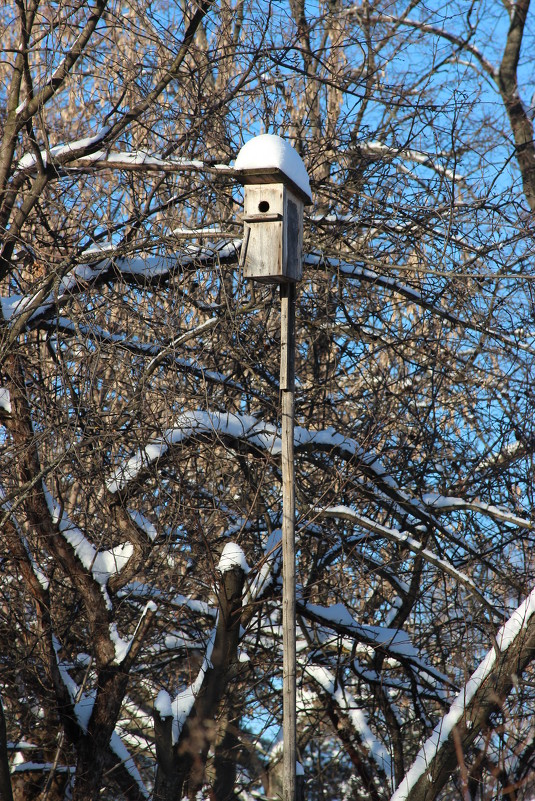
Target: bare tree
x,y
139,402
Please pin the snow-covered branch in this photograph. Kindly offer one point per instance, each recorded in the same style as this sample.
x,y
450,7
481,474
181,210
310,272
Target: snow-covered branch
x,y
366,275
441,503
264,436
384,151
346,705
129,161
101,565
395,644
484,692
403,538
82,704
184,724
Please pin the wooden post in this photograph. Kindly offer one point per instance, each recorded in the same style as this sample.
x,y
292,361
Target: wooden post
x,y
287,386
276,190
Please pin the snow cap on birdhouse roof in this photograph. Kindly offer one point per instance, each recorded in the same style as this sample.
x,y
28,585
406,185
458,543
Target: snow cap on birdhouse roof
x,y
270,159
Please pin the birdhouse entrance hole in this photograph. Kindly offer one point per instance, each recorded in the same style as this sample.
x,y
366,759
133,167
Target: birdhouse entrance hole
x,y
263,206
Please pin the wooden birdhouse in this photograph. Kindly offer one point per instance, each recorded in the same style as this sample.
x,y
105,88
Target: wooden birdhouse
x,y
274,197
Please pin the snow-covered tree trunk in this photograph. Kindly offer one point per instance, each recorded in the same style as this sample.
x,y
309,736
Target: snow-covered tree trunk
x,y
187,729
475,710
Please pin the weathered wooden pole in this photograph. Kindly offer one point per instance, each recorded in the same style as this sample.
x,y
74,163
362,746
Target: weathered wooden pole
x,y
287,387
276,190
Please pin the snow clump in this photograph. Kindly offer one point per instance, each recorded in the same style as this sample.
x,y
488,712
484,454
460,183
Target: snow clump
x,y
232,557
269,151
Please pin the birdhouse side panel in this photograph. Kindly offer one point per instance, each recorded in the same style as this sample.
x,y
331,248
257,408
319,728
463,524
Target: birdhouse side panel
x,y
293,238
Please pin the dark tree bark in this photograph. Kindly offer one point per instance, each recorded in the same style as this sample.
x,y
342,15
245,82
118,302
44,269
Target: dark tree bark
x,y
521,124
6,793
487,700
181,766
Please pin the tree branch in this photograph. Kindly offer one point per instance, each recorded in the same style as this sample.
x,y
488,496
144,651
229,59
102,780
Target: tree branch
x,y
507,81
6,792
470,713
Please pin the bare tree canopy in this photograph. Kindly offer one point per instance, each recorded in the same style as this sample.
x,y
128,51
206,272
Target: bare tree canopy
x,y
140,473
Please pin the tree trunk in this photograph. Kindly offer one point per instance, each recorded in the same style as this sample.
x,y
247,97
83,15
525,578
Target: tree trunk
x,y
181,767
425,783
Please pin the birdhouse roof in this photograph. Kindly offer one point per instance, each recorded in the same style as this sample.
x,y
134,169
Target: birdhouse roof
x,y
270,159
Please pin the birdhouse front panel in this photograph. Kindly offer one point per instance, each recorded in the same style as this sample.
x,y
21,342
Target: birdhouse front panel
x,y
272,241
263,216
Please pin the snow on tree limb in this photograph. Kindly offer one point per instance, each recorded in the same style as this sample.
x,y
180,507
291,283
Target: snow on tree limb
x,y
102,565
346,703
484,692
441,503
190,424
191,722
264,436
257,433
352,270
269,566
393,642
125,160
416,547
232,557
374,149
78,277
82,704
